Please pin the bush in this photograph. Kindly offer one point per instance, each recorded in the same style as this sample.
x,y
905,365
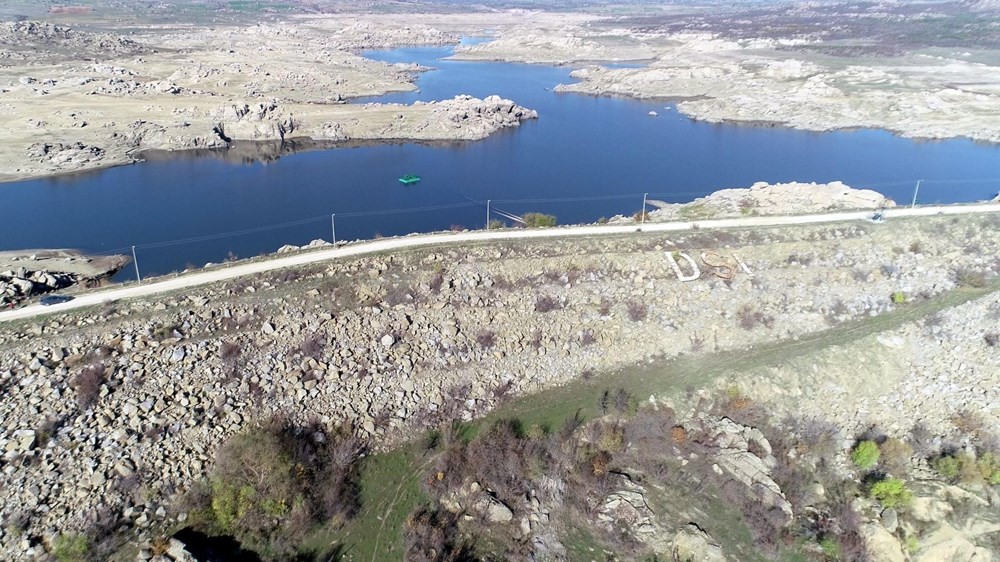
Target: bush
x,y
501,459
486,339
637,311
894,456
273,484
545,303
495,224
947,466
966,469
87,385
891,493
432,536
865,455
970,278
898,297
750,318
71,548
313,345
989,467
229,351
538,220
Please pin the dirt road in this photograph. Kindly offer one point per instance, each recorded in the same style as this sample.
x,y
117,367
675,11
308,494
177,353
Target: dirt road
x,y
442,239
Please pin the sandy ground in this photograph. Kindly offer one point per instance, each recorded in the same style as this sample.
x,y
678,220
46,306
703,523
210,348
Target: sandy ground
x,y
949,93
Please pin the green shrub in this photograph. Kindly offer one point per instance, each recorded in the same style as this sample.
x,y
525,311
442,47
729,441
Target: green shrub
x,y
891,492
947,466
989,467
898,297
912,544
495,224
830,548
538,220
273,484
865,455
967,470
71,548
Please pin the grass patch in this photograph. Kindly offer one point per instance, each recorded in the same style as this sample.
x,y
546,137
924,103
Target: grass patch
x,y
696,211
390,489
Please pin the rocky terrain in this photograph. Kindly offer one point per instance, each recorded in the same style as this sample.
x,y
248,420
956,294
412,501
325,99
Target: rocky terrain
x,y
103,403
769,199
35,272
174,88
766,79
97,94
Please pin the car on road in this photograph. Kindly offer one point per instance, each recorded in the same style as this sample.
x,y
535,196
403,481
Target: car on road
x,y
55,299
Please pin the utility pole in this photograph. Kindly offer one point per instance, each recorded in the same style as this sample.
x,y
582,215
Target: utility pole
x,y
915,191
135,260
487,214
333,227
642,213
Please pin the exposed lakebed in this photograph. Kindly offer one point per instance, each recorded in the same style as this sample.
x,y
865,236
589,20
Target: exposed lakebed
x,y
604,151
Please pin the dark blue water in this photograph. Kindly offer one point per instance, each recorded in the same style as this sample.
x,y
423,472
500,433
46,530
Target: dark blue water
x,y
607,151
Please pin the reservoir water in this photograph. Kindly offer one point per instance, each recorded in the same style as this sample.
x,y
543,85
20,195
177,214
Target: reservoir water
x,y
603,152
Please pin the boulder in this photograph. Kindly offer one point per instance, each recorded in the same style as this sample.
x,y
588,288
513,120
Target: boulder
x,y
691,544
627,509
882,546
744,456
890,519
25,439
497,512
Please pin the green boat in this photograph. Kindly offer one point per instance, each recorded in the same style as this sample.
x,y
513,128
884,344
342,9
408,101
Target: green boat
x,y
409,179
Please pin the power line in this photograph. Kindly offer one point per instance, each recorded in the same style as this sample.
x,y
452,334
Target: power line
x,y
475,202
410,210
229,234
569,199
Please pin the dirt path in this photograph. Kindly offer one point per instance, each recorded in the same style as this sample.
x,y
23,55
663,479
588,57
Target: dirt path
x,y
424,240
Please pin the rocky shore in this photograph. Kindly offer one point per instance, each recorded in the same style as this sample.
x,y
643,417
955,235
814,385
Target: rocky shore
x,y
26,274
763,198
117,411
764,81
178,89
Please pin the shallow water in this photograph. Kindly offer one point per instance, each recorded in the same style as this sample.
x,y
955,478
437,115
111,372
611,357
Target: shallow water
x,y
608,151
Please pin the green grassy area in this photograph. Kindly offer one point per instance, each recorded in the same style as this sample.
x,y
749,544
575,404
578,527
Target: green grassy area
x,y
391,481
390,489
696,211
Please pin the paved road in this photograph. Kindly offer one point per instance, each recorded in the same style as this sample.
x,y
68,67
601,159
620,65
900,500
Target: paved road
x,y
443,239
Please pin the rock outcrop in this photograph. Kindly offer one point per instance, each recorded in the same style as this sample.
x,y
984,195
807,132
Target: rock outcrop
x,y
744,457
38,272
763,198
692,544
